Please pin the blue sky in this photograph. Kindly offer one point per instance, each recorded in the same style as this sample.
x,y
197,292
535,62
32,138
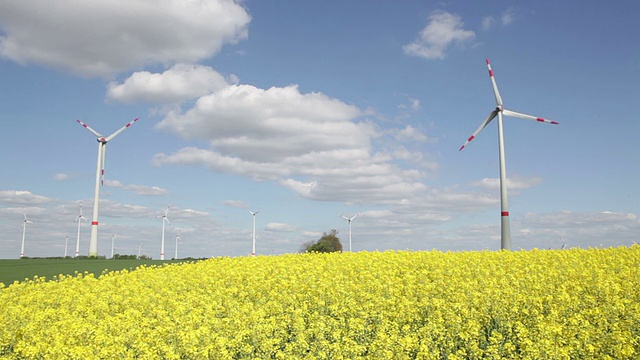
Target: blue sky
x,y
305,111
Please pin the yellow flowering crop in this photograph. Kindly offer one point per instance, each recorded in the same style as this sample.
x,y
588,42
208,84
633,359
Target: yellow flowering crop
x,y
557,304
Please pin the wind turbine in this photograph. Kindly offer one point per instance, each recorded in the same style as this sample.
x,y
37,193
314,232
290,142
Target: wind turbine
x,y
24,232
499,111
102,152
164,218
79,220
349,220
253,248
177,239
113,242
66,243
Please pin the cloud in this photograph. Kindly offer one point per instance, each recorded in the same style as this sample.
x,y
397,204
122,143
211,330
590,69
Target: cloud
x,y
589,229
506,18
181,82
280,227
22,198
513,183
236,204
137,189
60,177
100,38
310,143
488,22
442,30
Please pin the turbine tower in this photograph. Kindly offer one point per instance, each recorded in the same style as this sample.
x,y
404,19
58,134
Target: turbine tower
x,y
253,248
164,219
499,111
113,242
24,232
349,220
66,243
102,151
79,220
177,239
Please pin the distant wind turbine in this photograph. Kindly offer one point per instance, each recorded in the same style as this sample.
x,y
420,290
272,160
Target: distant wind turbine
x,y
113,242
24,232
349,220
102,153
253,248
499,111
164,219
177,240
79,220
66,243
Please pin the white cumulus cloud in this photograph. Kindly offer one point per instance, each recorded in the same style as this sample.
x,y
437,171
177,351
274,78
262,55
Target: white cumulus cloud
x,y
137,189
310,143
101,38
442,30
180,82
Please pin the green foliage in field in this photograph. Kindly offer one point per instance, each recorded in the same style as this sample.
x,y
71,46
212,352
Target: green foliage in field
x,y
555,304
329,242
25,269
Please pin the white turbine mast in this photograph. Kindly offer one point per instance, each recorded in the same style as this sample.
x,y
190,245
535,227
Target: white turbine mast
x,y
102,152
349,219
178,239
499,111
79,220
24,232
66,244
253,248
113,242
164,219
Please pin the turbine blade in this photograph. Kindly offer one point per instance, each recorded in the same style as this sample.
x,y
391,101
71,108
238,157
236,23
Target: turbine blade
x,y
90,129
482,126
495,87
121,130
528,117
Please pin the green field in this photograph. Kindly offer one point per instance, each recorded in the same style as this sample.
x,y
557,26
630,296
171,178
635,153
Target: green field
x,y
22,269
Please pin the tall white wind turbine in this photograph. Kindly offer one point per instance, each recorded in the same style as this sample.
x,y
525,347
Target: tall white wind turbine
x,y
253,248
24,232
79,220
349,220
164,219
499,111
66,243
102,151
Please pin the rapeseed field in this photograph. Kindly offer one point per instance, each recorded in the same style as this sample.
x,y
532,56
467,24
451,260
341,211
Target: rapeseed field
x,y
540,304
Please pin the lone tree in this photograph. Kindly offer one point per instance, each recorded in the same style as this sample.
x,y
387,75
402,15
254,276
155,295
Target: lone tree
x,y
327,243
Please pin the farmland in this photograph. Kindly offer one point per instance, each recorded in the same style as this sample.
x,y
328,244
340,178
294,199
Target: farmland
x,y
555,304
25,269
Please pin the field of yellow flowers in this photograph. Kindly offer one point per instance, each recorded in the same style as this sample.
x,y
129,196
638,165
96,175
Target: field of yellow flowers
x,y
555,304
